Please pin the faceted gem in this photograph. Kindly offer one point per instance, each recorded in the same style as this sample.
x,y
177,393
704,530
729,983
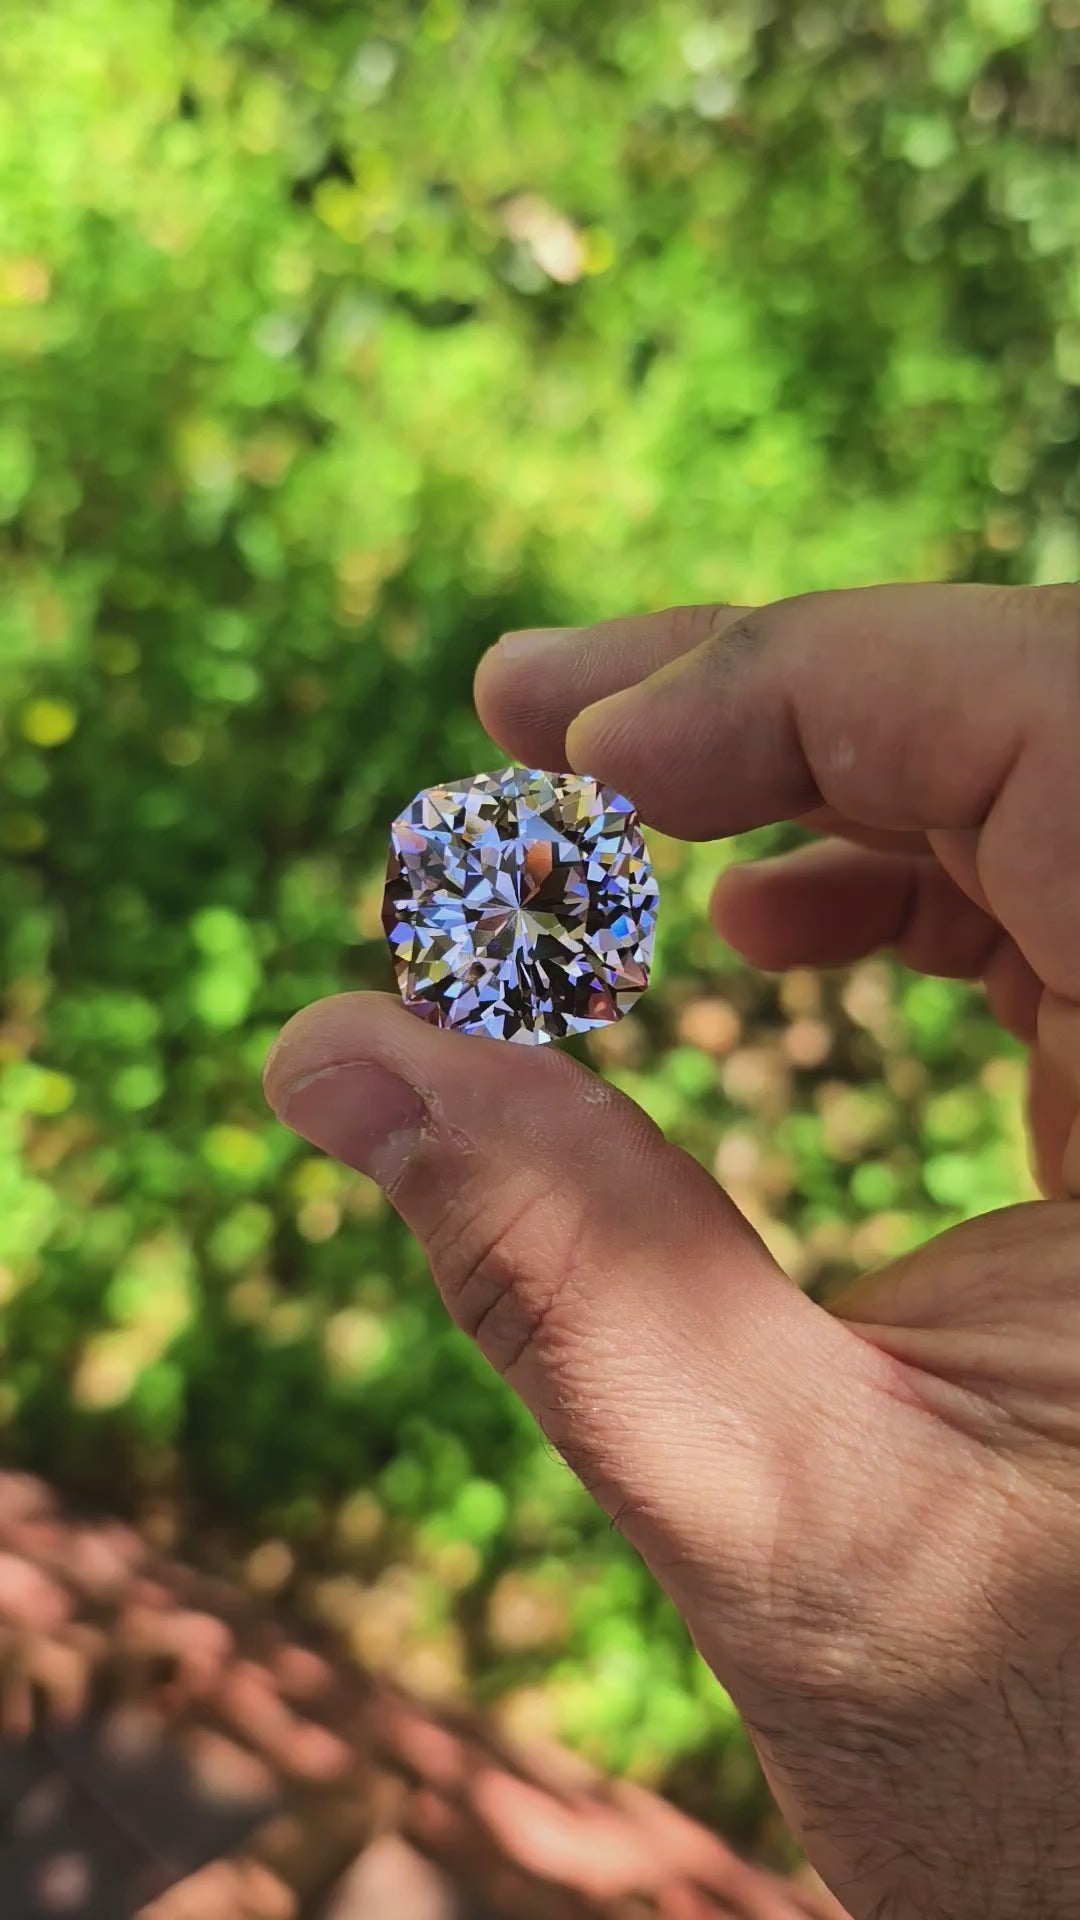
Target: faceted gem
x,y
520,904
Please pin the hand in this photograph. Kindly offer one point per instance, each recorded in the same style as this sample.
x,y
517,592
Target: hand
x,y
870,1517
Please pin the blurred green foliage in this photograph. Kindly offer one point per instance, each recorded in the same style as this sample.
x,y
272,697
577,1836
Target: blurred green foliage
x,y
335,338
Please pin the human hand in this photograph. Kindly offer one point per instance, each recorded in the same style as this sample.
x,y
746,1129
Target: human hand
x,y
868,1516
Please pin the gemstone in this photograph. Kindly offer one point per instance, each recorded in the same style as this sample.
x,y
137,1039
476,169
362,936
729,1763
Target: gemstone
x,y
520,904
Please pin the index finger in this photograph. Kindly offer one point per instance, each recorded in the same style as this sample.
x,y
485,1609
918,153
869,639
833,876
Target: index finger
x,y
953,710
530,686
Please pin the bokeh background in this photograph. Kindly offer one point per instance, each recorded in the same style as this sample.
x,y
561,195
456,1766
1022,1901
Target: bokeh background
x,y
334,339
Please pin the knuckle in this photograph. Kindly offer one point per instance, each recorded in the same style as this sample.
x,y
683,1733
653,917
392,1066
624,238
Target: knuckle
x,y
733,643
1044,623
690,626
1065,621
503,1269
1054,609
731,646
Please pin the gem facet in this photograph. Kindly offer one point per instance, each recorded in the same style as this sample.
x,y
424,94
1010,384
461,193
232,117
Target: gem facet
x,y
520,904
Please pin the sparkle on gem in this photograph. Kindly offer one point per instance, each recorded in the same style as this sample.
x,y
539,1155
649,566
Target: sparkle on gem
x,y
520,904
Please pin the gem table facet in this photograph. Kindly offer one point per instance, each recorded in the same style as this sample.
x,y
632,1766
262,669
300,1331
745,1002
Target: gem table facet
x,y
520,904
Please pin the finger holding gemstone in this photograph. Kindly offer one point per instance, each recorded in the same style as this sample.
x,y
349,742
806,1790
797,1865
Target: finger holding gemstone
x,y
520,904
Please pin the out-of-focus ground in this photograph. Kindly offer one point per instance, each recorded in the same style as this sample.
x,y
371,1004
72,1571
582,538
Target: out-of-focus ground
x,y
168,1751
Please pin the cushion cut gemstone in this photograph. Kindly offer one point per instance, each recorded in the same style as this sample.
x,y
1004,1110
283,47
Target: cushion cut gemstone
x,y
520,904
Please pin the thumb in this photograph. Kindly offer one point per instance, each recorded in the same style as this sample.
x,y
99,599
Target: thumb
x,y
604,1274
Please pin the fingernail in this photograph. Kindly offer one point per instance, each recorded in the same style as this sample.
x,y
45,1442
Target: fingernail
x,y
359,1114
531,642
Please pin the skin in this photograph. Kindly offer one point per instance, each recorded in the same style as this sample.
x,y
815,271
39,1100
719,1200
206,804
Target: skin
x,y
868,1515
